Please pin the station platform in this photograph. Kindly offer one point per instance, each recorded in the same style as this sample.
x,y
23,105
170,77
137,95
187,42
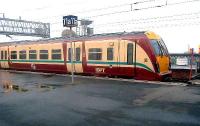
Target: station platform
x,y
51,100
184,73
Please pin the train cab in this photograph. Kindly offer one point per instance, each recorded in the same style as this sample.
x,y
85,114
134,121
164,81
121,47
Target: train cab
x,y
161,52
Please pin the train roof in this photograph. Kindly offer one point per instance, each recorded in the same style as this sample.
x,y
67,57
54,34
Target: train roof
x,y
77,38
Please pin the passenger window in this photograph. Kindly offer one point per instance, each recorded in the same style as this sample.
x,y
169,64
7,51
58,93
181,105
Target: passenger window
x,y
78,51
69,54
5,55
130,53
22,54
32,54
110,53
44,54
13,54
95,54
56,54
2,55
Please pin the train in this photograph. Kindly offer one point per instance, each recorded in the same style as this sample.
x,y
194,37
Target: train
x,y
141,55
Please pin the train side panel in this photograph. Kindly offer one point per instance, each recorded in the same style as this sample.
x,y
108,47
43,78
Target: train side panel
x,y
102,57
38,57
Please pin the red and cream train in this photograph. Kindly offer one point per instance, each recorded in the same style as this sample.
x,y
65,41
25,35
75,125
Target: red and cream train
x,y
138,55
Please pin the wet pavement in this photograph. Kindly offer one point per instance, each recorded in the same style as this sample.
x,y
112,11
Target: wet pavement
x,y
50,100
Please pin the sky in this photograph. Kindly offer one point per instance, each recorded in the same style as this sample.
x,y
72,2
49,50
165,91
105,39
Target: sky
x,y
177,24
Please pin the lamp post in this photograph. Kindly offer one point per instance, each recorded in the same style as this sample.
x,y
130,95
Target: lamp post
x,y
72,58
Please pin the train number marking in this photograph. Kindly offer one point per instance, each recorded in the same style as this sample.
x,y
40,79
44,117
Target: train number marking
x,y
100,70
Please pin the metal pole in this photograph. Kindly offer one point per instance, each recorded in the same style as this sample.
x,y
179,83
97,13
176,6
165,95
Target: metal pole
x,y
72,59
191,62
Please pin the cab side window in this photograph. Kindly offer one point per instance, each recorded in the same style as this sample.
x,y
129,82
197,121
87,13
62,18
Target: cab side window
x,y
110,53
78,54
69,54
130,53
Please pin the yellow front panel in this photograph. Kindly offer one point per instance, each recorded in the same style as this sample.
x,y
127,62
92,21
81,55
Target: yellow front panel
x,y
163,62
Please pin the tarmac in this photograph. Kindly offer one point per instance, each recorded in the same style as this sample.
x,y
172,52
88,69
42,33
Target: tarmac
x,y
30,99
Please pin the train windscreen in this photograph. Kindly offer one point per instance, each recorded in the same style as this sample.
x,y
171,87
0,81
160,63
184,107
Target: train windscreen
x,y
156,47
159,47
164,47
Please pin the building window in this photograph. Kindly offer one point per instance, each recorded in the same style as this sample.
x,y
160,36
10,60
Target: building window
x,y
44,54
22,54
130,53
56,54
78,54
32,54
95,54
109,53
13,54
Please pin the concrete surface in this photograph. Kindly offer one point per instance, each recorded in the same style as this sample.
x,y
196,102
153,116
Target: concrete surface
x,y
50,100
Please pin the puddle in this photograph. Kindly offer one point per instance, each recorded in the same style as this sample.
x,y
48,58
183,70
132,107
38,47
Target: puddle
x,y
9,86
48,75
47,87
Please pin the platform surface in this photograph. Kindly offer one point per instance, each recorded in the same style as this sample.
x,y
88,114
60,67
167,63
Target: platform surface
x,y
50,100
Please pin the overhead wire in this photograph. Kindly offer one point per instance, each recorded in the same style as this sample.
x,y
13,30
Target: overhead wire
x,y
184,19
104,8
171,18
131,10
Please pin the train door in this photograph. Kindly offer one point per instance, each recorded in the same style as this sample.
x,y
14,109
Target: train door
x,y
77,57
129,58
4,58
78,68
